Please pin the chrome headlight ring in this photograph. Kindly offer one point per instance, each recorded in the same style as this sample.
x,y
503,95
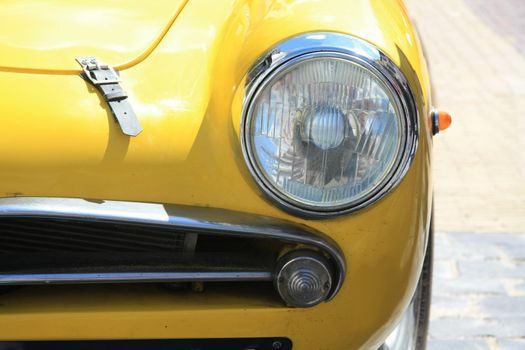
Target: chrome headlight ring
x,y
334,46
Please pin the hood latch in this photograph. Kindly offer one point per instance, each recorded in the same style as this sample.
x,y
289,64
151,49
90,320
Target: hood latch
x,y
107,81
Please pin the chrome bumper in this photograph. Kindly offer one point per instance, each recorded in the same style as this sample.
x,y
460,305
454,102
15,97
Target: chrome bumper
x,y
198,220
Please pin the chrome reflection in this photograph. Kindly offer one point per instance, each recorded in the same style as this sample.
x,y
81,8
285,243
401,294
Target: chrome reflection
x,y
187,218
404,335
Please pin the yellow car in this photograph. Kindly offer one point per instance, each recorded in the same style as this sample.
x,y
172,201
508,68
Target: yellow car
x,y
227,174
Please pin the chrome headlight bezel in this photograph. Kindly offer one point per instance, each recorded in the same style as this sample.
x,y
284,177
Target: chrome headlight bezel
x,y
332,45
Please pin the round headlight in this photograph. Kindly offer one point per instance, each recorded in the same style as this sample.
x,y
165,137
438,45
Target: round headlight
x,y
329,130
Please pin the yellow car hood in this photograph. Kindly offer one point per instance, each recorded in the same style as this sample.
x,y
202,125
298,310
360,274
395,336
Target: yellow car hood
x,y
58,138
46,34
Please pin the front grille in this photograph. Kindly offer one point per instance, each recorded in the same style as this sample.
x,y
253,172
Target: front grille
x,y
69,250
72,240
18,235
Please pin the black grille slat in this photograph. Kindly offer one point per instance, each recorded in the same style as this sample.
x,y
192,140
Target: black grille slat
x,y
31,245
138,232
92,230
68,241
70,237
33,235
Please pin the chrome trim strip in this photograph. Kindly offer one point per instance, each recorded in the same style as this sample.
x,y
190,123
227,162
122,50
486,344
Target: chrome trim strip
x,y
124,277
329,44
188,218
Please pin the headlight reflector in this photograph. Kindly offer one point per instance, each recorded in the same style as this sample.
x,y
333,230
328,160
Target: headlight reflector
x,y
325,132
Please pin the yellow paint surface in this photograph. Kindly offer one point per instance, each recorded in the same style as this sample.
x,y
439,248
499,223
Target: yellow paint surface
x,y
57,139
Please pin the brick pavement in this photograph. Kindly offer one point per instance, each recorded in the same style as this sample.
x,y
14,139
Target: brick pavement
x,y
476,52
479,292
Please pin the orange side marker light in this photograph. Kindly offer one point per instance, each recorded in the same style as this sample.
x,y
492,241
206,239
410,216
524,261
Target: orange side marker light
x,y
439,121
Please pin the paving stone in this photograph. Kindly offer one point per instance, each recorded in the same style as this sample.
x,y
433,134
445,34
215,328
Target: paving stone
x,y
513,327
511,344
473,239
490,269
514,251
503,306
457,305
445,269
454,328
519,288
508,19
469,286
472,326
470,344
480,246
460,248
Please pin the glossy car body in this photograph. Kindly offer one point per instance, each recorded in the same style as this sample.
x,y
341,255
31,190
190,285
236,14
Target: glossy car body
x,y
186,87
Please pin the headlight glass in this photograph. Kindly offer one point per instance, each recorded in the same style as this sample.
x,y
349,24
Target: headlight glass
x,y
324,133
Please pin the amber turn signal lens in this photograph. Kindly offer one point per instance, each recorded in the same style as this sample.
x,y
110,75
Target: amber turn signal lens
x,y
444,120
439,121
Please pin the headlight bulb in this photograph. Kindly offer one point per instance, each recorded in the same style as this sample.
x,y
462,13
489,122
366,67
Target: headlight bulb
x,y
324,126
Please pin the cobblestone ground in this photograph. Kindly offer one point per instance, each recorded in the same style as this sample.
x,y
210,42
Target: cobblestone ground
x,y
476,52
479,292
